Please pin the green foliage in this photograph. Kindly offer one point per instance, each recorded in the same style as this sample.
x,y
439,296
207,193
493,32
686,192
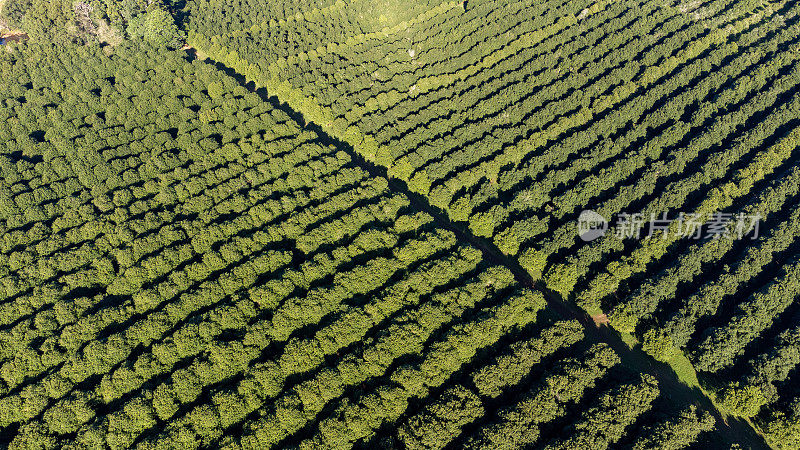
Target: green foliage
x,y
180,259
518,425
49,21
783,427
605,423
434,427
14,10
94,21
562,278
676,433
658,344
157,26
512,366
179,247
533,262
742,401
482,224
752,317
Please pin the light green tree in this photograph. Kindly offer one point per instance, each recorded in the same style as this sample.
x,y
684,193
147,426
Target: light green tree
x,y
158,27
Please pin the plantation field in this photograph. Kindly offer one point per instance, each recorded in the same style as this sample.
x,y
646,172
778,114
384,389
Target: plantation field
x,y
184,265
514,117
355,223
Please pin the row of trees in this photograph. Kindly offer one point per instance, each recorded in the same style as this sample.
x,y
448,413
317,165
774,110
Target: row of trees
x,y
404,55
605,423
746,318
680,431
146,300
751,318
210,17
446,162
423,70
709,296
519,424
200,264
662,287
739,183
720,165
728,77
512,366
618,188
463,414
258,232
782,427
377,85
378,73
759,385
117,346
360,419
499,112
186,267
296,29
460,405
262,382
35,257
439,422
402,335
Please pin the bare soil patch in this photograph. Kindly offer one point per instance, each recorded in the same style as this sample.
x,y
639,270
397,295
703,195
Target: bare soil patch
x,y
13,36
600,320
